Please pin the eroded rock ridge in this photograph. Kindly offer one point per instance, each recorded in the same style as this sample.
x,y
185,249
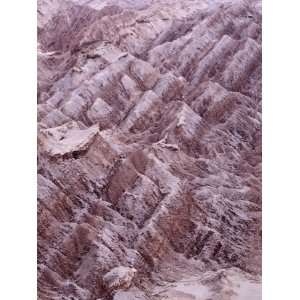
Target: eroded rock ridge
x,y
149,149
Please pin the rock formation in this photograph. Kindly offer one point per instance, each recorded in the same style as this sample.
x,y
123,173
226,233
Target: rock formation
x,y
119,278
149,149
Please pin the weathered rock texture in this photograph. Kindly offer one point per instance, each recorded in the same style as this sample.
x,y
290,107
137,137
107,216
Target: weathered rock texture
x,y
149,149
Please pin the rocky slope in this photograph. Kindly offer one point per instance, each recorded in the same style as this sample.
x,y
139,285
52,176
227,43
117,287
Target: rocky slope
x,y
149,149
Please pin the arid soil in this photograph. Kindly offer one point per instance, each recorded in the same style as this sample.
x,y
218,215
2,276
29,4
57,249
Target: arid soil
x,y
149,150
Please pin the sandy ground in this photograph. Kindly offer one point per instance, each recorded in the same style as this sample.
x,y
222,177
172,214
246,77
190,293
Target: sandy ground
x,y
230,285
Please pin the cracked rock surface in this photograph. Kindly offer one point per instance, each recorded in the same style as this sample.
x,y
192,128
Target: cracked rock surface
x,y
149,150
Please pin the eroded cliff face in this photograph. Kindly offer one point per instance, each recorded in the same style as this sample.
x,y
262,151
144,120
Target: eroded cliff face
x,y
149,149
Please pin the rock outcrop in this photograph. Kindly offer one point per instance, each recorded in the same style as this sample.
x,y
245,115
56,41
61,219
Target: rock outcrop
x,y
119,278
149,148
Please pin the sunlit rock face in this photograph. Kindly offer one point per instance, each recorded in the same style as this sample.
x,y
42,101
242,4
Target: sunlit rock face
x,y
149,150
